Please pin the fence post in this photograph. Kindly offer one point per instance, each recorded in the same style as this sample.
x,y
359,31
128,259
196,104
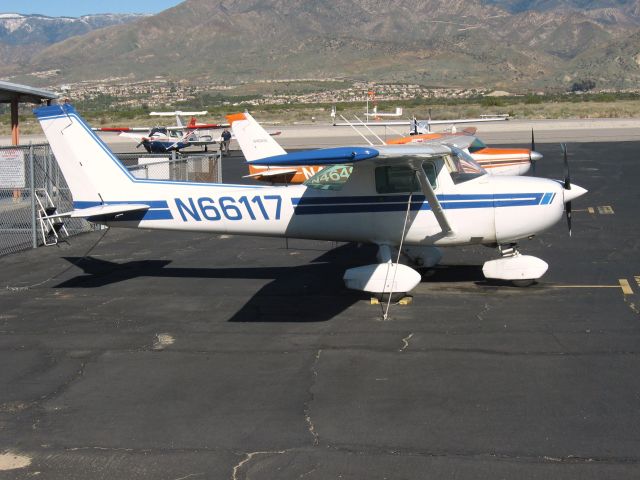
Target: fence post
x,y
55,189
32,179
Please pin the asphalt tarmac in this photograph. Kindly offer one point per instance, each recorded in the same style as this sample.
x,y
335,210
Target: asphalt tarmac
x,y
173,356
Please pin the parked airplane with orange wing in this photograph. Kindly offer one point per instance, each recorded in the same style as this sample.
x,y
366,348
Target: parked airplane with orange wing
x,y
258,144
496,161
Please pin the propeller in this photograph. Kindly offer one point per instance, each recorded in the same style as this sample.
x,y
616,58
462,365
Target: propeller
x,y
533,149
567,184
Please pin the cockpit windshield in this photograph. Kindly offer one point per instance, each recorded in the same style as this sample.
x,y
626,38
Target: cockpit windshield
x,y
462,166
330,178
158,131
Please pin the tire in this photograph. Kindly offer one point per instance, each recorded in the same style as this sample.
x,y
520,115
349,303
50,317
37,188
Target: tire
x,y
523,283
395,297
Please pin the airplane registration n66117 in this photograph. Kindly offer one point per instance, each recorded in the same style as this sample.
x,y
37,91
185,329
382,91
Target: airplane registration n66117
x,y
407,199
229,208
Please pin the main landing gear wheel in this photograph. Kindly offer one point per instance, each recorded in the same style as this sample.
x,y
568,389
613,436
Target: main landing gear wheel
x,y
523,283
395,297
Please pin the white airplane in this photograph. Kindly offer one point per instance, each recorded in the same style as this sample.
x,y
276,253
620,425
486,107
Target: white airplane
x,y
416,126
407,199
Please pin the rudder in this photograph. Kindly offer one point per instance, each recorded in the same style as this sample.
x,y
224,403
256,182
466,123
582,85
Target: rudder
x,y
254,140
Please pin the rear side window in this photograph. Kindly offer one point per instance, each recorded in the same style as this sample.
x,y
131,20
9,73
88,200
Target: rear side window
x,y
402,179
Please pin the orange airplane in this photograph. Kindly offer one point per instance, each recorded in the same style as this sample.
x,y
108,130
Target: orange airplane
x,y
497,161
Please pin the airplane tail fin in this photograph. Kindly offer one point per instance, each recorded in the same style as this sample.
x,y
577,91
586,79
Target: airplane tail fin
x,y
254,140
91,170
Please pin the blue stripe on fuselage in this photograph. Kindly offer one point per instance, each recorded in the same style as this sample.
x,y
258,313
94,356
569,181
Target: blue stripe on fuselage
x,y
151,203
159,210
390,203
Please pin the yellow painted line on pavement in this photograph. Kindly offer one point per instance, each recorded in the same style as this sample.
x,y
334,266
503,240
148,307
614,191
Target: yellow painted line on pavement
x,y
605,210
623,284
626,288
584,286
591,210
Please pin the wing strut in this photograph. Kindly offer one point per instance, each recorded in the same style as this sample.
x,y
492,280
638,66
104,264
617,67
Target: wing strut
x,y
430,195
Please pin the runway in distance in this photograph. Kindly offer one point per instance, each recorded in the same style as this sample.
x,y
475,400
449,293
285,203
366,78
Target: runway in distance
x,y
409,200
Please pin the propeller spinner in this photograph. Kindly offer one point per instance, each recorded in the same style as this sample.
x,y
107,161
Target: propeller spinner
x,y
533,155
570,191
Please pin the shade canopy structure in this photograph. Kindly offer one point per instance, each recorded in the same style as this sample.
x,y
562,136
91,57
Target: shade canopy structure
x,y
15,94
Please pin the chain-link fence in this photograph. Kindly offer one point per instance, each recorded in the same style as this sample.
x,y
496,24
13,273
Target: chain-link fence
x,y
203,167
32,186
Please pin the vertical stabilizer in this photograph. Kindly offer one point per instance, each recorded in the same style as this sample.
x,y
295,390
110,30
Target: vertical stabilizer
x,y
89,167
254,140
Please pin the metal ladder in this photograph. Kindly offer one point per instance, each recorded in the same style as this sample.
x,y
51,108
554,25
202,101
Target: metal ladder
x,y
50,228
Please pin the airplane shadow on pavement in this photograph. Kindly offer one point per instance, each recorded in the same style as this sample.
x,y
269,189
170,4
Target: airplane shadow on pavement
x,y
311,292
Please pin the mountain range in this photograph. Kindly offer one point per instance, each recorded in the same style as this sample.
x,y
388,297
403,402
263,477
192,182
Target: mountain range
x,y
23,36
526,44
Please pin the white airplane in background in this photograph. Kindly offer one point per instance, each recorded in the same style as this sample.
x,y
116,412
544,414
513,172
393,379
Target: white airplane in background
x,y
417,126
408,198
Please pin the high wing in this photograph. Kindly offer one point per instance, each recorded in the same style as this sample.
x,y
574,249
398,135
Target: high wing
x,y
121,129
133,136
423,123
411,155
177,112
203,126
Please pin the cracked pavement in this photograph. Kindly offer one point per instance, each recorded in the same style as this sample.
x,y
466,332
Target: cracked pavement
x,y
170,356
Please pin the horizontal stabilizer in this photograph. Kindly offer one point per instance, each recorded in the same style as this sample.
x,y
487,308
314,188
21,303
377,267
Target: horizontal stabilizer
x,y
100,210
272,173
325,156
135,136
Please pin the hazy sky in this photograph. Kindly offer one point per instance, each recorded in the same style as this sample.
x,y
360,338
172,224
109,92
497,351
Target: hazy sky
x,y
76,8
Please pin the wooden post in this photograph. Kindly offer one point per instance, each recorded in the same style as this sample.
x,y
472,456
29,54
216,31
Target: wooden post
x,y
15,139
15,135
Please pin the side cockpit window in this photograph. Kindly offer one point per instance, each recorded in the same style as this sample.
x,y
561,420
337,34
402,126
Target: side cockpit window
x,y
402,178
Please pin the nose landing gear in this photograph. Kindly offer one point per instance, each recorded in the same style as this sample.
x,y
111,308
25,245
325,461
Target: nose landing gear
x,y
521,270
